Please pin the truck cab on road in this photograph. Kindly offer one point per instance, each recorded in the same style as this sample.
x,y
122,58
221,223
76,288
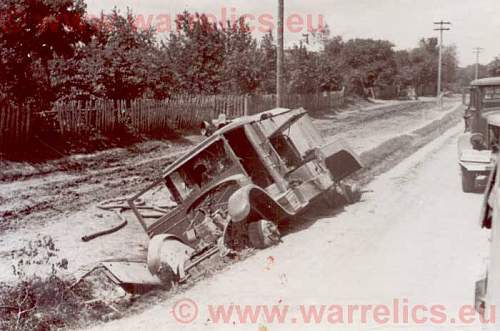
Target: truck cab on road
x,y
478,146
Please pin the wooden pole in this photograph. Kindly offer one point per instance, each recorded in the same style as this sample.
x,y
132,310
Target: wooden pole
x,y
280,54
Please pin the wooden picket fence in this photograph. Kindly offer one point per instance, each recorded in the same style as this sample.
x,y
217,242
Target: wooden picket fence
x,y
146,116
311,102
15,126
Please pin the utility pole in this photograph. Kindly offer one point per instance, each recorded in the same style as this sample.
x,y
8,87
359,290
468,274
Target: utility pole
x,y
306,36
477,51
280,54
443,26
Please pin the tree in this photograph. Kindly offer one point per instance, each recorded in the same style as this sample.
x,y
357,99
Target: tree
x,y
49,51
240,72
331,65
424,61
267,64
467,74
423,64
368,63
406,73
197,54
127,55
32,33
301,71
120,62
494,67
450,65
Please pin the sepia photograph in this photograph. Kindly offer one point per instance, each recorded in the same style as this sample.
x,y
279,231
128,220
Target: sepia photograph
x,y
247,165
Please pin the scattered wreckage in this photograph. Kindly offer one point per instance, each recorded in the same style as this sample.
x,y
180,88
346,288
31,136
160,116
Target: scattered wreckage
x,y
234,191
478,146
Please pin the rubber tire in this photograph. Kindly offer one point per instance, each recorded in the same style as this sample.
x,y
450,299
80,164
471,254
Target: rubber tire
x,y
468,181
263,234
346,191
333,199
339,196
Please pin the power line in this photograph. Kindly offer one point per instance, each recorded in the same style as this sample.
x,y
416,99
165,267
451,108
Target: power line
x,y
443,26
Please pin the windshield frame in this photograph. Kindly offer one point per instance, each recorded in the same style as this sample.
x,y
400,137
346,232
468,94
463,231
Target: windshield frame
x,y
196,187
192,196
488,100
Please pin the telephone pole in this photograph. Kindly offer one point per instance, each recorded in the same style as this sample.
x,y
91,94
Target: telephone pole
x,y
280,54
477,51
443,26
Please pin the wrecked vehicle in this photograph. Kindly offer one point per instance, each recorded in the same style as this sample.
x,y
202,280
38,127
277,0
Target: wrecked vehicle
x,y
478,146
235,189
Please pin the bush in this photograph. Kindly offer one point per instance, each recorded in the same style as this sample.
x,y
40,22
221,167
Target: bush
x,y
38,302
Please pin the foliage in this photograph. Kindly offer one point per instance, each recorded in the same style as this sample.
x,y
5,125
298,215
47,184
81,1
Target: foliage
x,y
301,71
118,63
52,52
368,63
196,52
240,71
330,64
419,66
32,33
209,58
266,65
494,67
38,302
467,74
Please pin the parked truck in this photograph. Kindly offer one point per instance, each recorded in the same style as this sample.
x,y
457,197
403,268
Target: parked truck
x,y
478,146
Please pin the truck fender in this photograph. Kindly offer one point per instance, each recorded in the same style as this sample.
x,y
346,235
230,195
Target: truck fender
x,y
251,199
178,254
486,215
340,159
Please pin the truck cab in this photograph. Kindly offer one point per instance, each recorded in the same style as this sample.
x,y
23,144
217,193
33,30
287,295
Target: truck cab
x,y
478,146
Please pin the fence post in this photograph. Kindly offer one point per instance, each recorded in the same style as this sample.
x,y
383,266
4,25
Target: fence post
x,y
246,109
3,110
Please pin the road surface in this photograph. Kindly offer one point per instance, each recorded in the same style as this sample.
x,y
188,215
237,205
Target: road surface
x,y
414,239
63,204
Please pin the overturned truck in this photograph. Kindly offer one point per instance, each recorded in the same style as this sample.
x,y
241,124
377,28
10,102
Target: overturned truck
x,y
235,189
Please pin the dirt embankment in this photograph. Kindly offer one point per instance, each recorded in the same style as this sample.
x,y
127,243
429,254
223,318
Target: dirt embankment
x,y
380,159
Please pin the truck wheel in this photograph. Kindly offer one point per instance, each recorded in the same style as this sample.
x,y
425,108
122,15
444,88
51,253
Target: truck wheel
x,y
348,192
468,181
341,195
263,234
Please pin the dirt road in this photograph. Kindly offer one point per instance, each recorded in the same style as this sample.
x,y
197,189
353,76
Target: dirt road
x,y
62,204
415,237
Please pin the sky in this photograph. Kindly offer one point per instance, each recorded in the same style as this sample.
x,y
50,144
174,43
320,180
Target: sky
x,y
475,23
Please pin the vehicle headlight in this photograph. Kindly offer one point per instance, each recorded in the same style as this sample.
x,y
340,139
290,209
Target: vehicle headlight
x,y
477,139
